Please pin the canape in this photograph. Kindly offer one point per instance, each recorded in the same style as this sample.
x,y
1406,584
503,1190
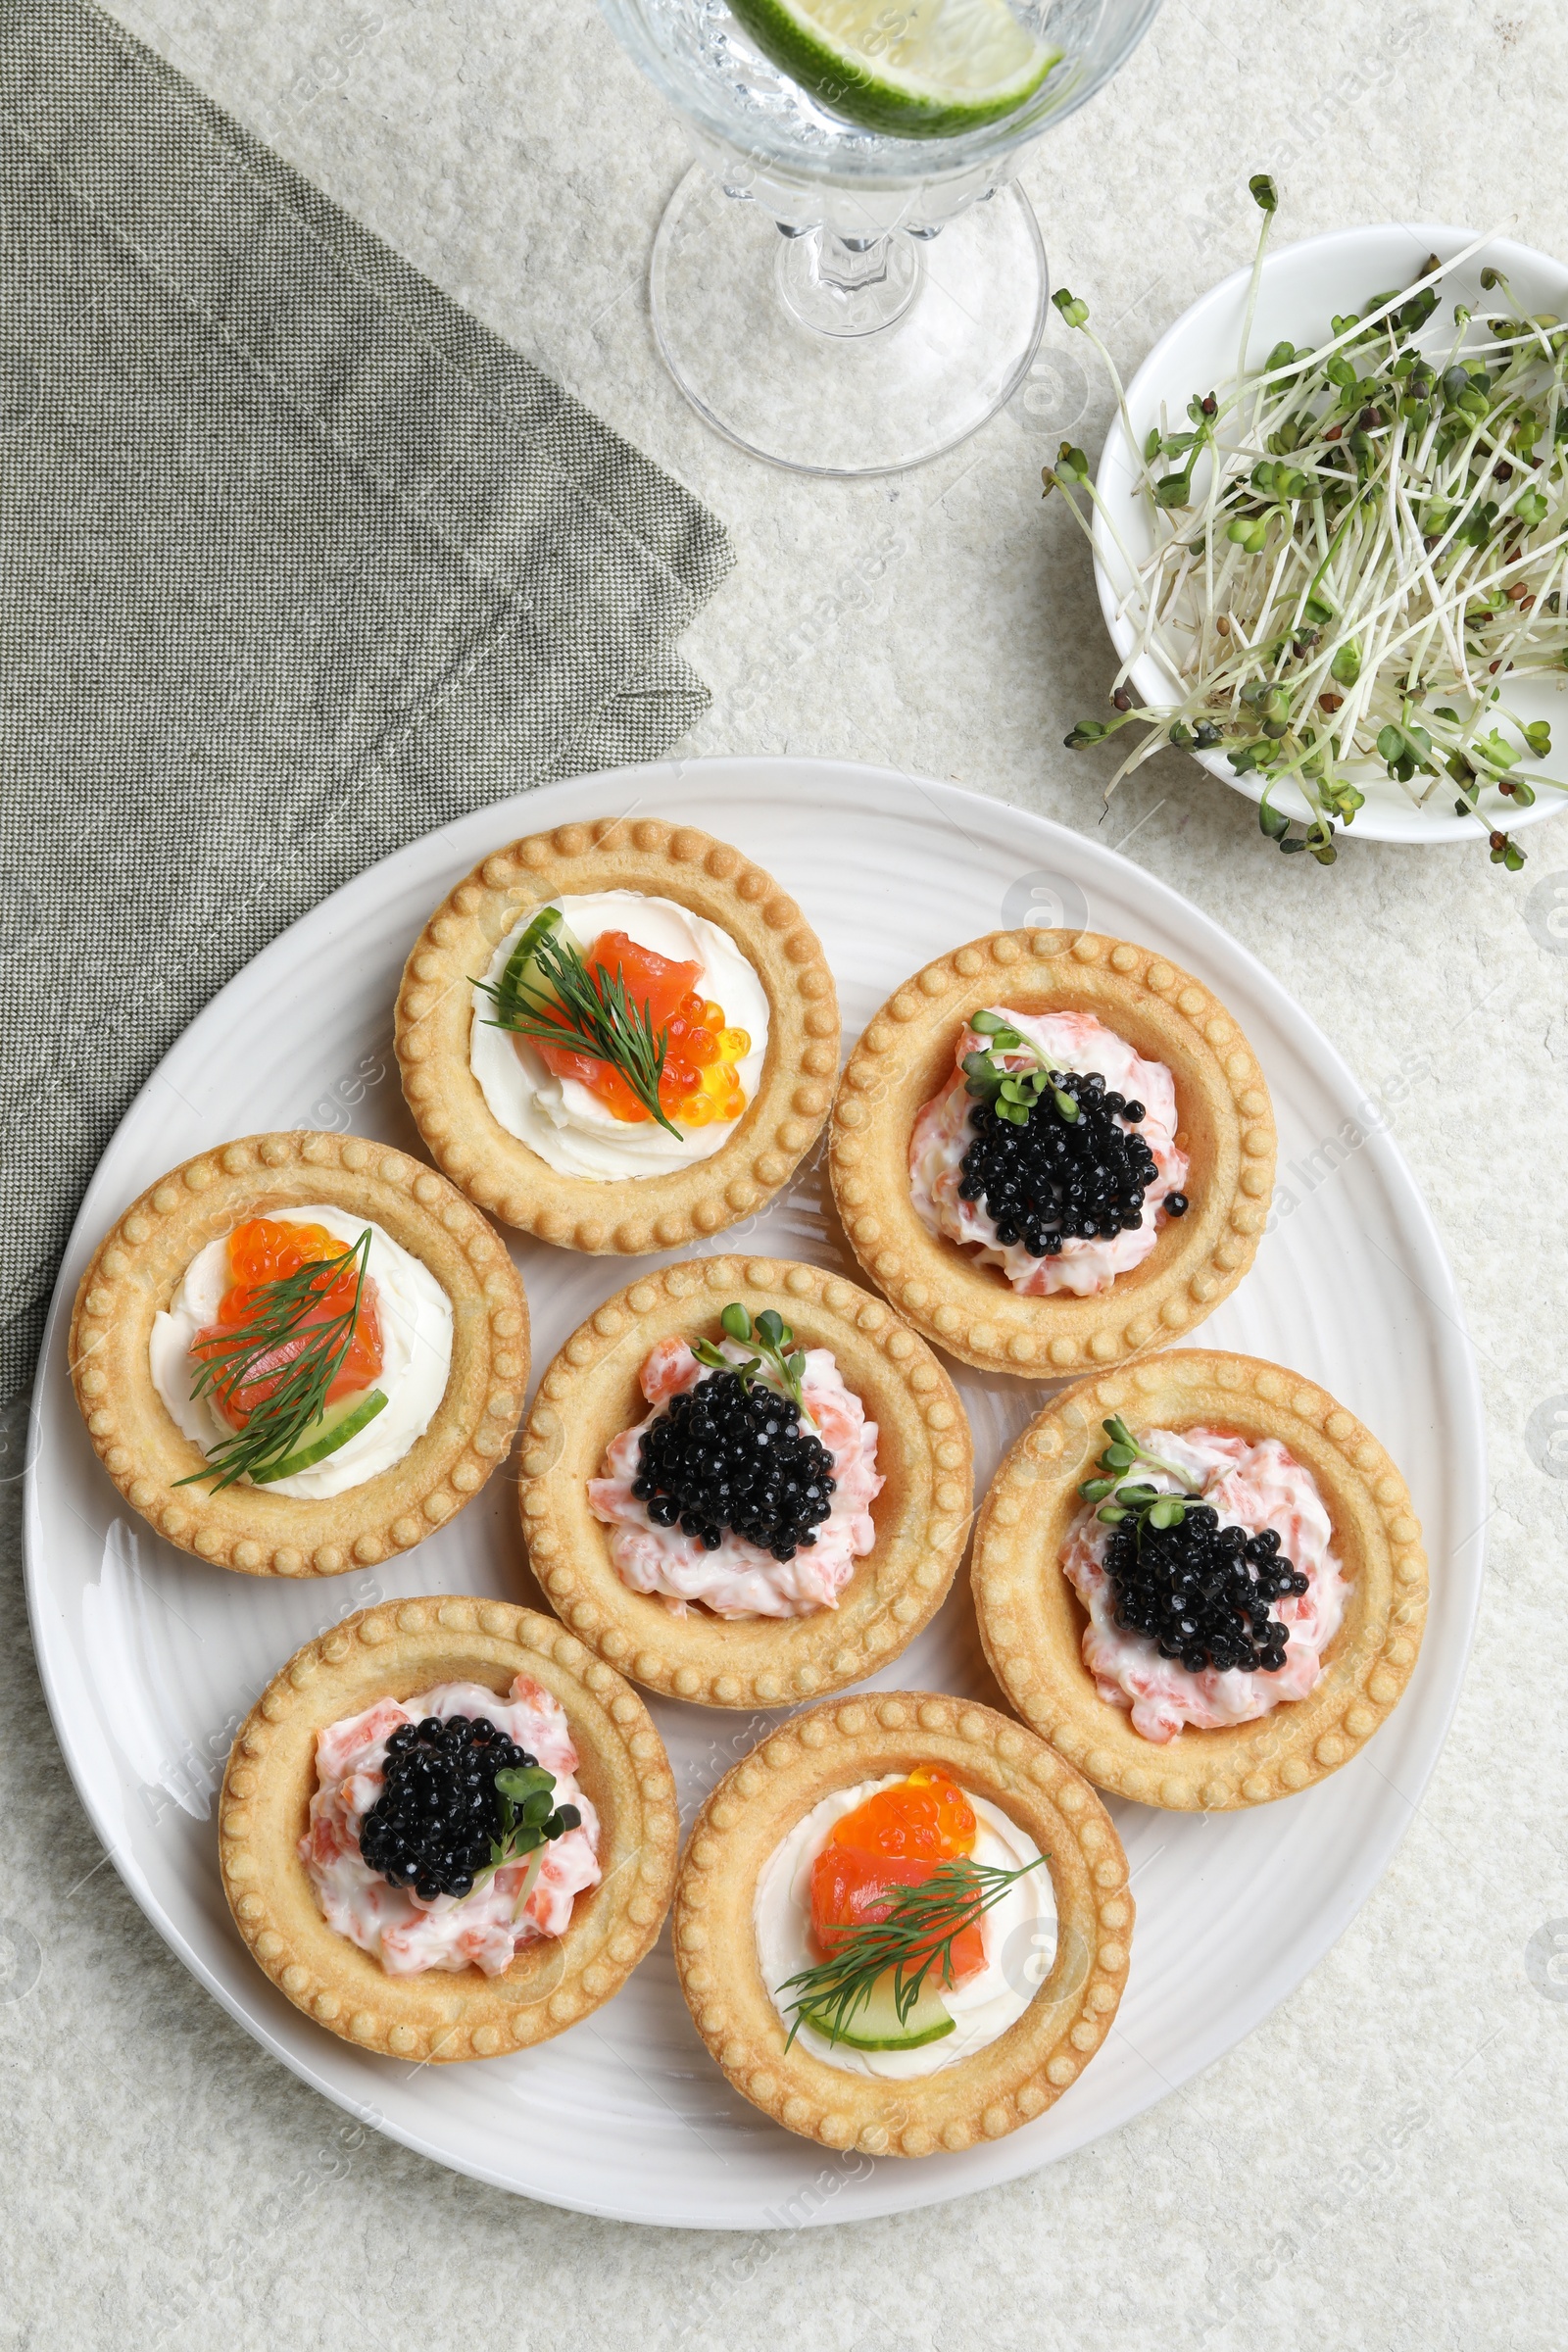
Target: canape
x,y
1052,1149
901,1924
1202,1580
618,1036
300,1353
746,1482
447,1832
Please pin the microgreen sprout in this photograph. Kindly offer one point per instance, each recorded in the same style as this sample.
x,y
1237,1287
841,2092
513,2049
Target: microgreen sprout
x,y
1013,1092
778,1361
530,1820
1119,1496
1356,544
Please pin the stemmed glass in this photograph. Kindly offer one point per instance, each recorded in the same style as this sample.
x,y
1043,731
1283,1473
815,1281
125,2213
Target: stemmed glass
x,y
838,299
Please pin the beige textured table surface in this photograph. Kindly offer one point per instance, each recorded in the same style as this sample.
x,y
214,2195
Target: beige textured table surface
x,y
1383,2163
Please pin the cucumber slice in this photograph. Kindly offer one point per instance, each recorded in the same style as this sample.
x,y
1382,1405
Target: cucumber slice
x,y
521,969
875,2025
337,1425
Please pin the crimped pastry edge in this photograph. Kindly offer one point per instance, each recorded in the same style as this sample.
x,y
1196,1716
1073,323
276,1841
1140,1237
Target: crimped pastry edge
x,y
136,1270
644,1212
1228,1124
1030,1619
1018,2076
590,1395
398,1648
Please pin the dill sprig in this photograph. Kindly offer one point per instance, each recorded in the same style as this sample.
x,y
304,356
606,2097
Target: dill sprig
x,y
244,1359
917,1937
590,1013
778,1362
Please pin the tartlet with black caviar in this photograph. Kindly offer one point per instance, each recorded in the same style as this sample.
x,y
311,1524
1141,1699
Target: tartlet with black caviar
x,y
1053,1150
1202,1580
746,1482
414,1875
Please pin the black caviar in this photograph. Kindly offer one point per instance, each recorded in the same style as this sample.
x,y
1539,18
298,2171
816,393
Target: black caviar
x,y
439,1810
1202,1591
1054,1179
728,1455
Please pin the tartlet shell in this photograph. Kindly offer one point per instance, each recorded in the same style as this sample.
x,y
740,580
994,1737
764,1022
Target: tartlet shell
x,y
396,1649
590,1395
1031,1619
138,1267
754,1807
907,1053
434,1014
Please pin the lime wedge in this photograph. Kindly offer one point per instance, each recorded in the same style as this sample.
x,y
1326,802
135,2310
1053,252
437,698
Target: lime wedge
x,y
337,1425
922,69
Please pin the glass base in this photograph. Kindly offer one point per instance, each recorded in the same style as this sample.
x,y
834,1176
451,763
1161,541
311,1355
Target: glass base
x,y
837,355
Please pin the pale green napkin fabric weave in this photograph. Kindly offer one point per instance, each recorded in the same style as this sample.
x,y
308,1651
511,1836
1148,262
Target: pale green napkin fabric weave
x,y
297,560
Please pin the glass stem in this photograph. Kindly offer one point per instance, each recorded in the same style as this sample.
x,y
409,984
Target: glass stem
x,y
843,285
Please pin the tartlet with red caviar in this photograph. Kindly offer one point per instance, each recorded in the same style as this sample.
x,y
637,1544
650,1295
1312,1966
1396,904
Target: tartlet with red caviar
x,y
1247,1640
763,1871
1052,1149
281,1821
300,1353
721,1596
618,1036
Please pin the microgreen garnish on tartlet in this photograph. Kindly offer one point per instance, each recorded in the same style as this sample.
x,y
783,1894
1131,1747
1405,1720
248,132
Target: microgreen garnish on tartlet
x,y
916,1937
778,1361
587,1011
530,1822
1011,1094
248,1356
1200,1591
1122,1497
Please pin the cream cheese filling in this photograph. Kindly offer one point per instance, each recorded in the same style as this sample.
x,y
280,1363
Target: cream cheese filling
x,y
1019,1936
571,1129
739,1580
482,1929
942,1135
416,1317
1249,1485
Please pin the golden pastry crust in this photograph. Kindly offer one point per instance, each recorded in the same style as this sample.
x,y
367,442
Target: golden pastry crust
x,y
591,1394
753,1808
1031,1619
136,1272
434,1019
395,1650
1227,1128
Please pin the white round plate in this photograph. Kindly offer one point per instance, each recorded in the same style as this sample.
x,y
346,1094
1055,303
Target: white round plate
x,y
1304,287
151,1659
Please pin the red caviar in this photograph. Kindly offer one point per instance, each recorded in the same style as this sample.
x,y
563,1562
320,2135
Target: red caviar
x,y
895,1839
698,1083
267,1251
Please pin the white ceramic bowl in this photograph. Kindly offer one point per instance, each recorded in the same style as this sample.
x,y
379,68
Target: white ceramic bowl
x,y
1303,287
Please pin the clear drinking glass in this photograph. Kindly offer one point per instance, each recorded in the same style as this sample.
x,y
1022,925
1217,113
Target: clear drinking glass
x,y
834,299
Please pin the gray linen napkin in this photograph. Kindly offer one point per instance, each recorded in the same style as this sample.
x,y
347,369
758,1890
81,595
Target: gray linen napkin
x,y
296,562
